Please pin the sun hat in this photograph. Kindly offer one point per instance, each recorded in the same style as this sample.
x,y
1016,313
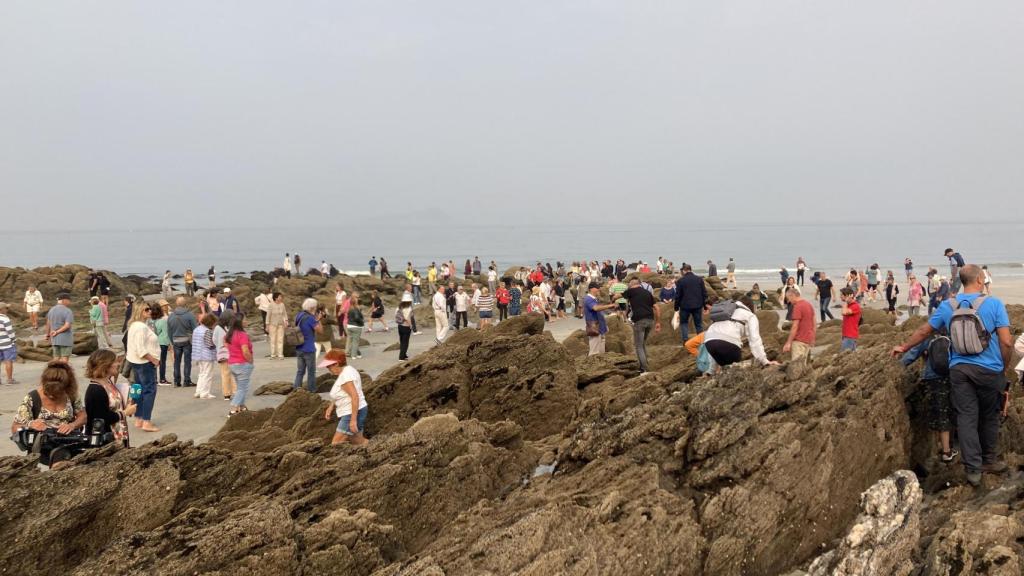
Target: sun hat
x,y
326,362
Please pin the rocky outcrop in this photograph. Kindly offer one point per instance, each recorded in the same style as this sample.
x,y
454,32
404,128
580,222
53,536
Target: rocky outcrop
x,y
884,536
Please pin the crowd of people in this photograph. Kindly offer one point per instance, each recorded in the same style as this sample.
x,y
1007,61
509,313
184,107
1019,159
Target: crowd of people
x,y
965,396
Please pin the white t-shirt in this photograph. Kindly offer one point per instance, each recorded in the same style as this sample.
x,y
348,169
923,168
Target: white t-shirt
x,y
339,297
342,402
287,264
324,268
492,276
461,302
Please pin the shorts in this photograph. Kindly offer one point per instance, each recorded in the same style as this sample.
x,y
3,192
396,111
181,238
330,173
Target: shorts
x,y
33,309
848,344
343,422
61,351
799,351
486,313
9,354
622,306
872,286
940,405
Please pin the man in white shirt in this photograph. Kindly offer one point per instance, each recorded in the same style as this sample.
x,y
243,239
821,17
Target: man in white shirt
x,y
287,264
440,306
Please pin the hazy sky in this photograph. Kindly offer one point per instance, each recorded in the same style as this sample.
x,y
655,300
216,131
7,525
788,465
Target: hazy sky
x,y
179,113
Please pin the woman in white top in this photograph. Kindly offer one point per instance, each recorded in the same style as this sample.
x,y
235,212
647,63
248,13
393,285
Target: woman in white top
x,y
346,393
143,352
724,338
33,301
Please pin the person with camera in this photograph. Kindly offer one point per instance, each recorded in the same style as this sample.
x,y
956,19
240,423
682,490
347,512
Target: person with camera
x,y
593,315
54,404
103,401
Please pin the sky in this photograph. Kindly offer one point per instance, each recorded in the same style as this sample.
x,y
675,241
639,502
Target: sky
x,y
375,112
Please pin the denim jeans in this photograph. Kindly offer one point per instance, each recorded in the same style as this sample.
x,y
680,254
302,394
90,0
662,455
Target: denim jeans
x,y
145,374
641,330
416,294
306,365
825,303
242,374
684,321
848,344
182,353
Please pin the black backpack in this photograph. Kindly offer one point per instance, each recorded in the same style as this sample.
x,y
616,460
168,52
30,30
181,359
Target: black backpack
x,y
937,354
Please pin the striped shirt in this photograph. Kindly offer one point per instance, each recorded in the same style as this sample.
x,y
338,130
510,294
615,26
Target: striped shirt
x,y
485,303
6,332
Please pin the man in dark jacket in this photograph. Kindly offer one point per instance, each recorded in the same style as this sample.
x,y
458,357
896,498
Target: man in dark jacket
x,y
180,325
690,297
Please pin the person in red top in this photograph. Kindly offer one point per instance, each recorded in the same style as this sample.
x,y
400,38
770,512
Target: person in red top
x,y
536,277
802,328
851,320
503,297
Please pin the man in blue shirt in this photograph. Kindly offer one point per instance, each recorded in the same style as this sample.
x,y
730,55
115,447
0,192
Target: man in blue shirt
x,y
592,313
373,265
308,322
977,380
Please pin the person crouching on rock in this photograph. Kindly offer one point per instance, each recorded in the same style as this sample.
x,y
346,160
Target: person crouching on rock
x,y
346,393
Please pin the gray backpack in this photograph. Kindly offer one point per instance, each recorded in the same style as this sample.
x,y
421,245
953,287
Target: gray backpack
x,y
967,333
723,310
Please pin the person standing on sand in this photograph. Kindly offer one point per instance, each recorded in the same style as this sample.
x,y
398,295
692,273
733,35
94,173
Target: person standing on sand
x,y
376,311
803,328
373,265
403,319
347,400
59,328
180,325
165,285
691,294
99,325
988,280
432,278
227,381
977,378
355,327
204,352
33,302
8,346
308,322
826,292
593,316
908,267
263,301
439,304
730,274
143,352
914,296
892,291
160,327
240,363
277,319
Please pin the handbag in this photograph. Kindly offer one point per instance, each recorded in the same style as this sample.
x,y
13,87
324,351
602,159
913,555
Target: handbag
x,y
593,329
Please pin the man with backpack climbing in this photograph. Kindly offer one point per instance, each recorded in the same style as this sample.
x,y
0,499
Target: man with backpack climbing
x,y
980,351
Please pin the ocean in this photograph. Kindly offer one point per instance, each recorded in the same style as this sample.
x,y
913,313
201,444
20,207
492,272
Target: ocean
x,y
759,251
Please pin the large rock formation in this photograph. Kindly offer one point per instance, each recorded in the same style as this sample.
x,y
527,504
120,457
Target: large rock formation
x,y
504,452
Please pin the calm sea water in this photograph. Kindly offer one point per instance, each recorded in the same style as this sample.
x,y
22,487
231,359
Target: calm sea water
x,y
758,250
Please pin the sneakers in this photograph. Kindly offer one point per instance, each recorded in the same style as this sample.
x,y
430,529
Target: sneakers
x,y
206,397
950,456
164,383
417,333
